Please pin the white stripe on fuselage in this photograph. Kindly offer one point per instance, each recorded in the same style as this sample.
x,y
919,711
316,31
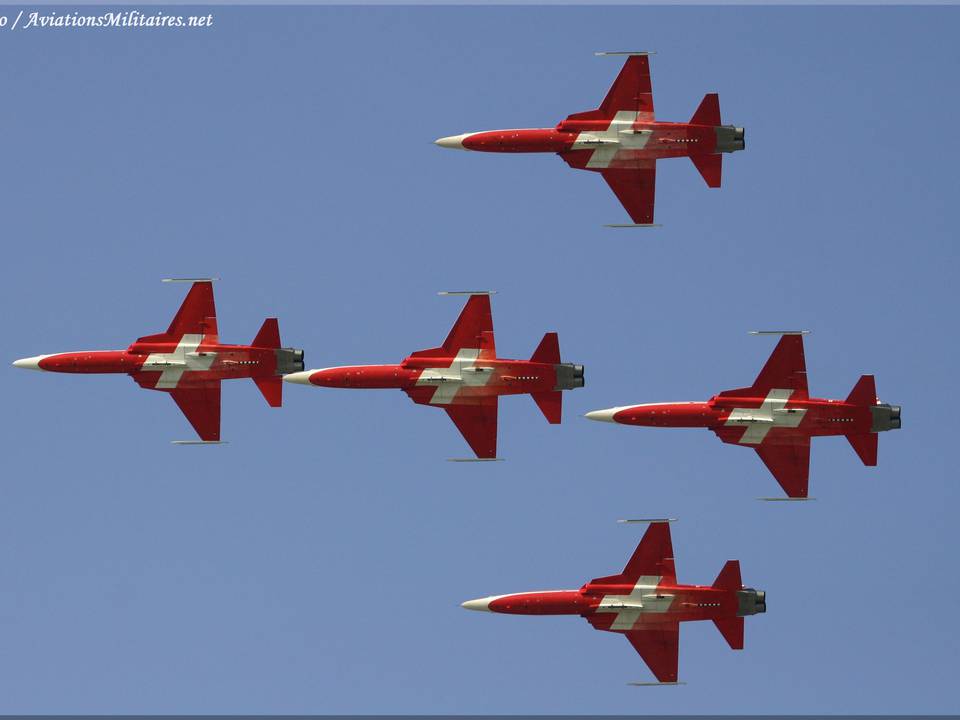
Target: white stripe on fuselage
x,y
183,359
618,136
462,372
642,599
772,413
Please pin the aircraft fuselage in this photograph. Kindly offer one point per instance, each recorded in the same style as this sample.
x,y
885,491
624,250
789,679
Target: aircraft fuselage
x,y
629,139
812,417
193,359
646,600
463,376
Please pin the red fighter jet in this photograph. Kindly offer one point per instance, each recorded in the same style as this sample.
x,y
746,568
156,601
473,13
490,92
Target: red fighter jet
x,y
465,377
776,416
189,361
622,141
646,603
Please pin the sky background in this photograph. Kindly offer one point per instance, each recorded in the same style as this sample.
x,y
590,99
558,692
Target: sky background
x,y
317,562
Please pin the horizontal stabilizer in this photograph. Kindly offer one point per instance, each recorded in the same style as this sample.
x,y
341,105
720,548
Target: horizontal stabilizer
x,y
732,631
550,404
865,445
729,577
269,335
864,392
711,167
272,389
548,351
709,111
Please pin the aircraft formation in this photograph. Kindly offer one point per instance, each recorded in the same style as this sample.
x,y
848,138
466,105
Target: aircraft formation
x,y
775,416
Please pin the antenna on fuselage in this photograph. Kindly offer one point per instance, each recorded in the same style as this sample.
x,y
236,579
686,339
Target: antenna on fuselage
x,y
189,280
198,442
779,332
785,499
467,292
646,520
625,52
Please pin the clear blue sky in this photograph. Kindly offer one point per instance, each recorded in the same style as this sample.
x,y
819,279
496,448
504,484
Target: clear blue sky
x,y
317,562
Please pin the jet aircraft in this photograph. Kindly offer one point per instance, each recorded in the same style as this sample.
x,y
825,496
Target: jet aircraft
x,y
465,377
776,416
646,603
622,141
188,361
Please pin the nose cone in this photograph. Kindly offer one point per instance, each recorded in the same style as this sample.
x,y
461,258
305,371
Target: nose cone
x,y
301,378
481,604
30,363
454,142
603,415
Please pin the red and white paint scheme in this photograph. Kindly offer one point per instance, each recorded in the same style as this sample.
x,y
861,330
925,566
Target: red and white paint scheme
x,y
465,377
188,361
646,603
622,141
776,416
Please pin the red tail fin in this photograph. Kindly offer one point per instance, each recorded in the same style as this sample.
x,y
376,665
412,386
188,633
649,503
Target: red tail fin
x,y
269,335
865,445
732,630
550,404
272,389
711,167
548,351
729,577
709,111
864,392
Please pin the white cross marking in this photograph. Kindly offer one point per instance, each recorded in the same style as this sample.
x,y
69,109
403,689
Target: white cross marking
x,y
462,372
642,599
772,413
618,136
184,358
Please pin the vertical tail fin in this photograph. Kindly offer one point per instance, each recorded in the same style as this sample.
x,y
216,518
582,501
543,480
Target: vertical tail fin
x,y
865,445
269,335
729,577
709,111
710,167
864,392
548,351
732,630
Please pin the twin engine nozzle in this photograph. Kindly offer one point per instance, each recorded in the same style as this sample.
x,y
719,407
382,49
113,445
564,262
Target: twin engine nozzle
x,y
885,417
730,138
569,376
289,360
751,602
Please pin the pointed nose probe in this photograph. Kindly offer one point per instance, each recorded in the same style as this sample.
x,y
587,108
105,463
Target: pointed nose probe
x,y
454,142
